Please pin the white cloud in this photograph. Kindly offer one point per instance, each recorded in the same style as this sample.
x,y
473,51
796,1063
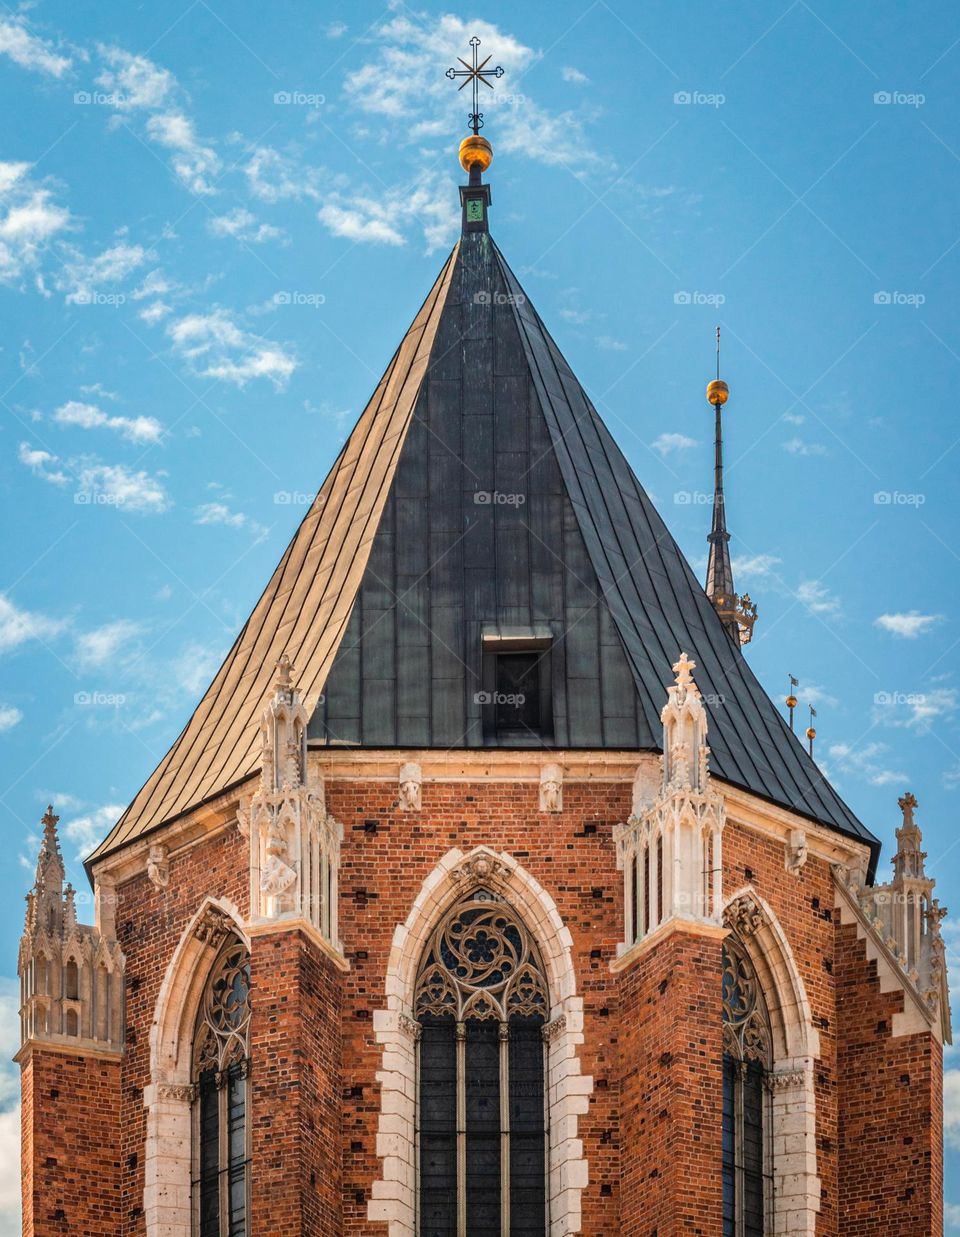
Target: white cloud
x,y
153,313
9,717
100,646
195,667
243,226
193,162
797,446
274,177
336,30
89,416
136,84
754,566
609,344
794,418
817,598
381,218
951,1213
39,461
217,348
868,762
29,220
667,443
907,626
574,76
115,485
135,81
399,82
87,830
28,50
578,317
86,277
916,710
221,513
19,626
155,283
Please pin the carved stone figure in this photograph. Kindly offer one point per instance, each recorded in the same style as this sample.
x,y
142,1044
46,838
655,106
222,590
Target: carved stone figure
x,y
158,867
551,788
411,780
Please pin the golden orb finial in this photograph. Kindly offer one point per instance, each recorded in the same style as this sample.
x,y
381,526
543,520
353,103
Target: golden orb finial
x,y
791,701
475,152
717,392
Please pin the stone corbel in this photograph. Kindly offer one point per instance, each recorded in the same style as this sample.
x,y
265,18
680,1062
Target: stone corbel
x,y
796,851
158,866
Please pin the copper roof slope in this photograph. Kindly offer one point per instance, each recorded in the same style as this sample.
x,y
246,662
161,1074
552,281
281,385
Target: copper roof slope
x,y
306,605
658,605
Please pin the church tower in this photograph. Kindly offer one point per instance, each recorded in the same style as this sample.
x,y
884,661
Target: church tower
x,y
486,891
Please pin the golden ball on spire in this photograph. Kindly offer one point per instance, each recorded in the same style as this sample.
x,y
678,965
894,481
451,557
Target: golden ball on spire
x,y
811,733
475,151
791,701
717,392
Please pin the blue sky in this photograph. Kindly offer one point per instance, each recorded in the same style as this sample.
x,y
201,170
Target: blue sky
x,y
217,220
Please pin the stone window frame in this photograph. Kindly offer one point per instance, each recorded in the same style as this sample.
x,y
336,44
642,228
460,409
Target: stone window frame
x,y
394,1195
792,1137
168,1097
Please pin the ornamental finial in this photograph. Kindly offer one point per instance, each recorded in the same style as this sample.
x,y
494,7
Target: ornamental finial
x,y
476,153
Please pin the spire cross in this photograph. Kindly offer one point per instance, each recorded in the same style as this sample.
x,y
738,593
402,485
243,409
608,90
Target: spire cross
x,y
475,74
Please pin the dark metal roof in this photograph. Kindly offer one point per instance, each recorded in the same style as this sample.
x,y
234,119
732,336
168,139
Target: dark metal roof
x,y
480,492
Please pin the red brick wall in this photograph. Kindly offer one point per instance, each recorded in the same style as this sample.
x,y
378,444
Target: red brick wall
x,y
671,1090
387,854
150,924
891,1118
71,1140
296,1088
308,1091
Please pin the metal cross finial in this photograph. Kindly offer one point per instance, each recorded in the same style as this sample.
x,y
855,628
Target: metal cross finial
x,y
475,73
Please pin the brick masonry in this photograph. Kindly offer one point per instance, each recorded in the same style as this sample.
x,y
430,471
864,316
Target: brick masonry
x,y
651,1033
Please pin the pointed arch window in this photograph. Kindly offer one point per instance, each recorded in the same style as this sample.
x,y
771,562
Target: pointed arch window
x,y
220,1068
481,1005
747,1060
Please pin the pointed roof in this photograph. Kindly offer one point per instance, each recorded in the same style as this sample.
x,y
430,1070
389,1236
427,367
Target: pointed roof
x,y
399,571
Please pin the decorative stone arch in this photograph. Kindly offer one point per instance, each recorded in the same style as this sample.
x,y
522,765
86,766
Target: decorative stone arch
x,y
394,1195
168,1097
796,1045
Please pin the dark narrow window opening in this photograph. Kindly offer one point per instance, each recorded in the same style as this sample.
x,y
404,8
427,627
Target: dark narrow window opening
x,y
481,1126
516,701
747,1057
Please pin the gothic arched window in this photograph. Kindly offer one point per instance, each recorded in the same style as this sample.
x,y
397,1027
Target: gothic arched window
x,y
747,1180
220,1059
481,1003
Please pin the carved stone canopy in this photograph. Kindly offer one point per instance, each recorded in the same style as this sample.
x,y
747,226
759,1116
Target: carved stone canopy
x,y
743,916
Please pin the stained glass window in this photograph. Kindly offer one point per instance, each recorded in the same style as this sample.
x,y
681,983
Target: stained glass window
x,y
220,1055
481,1004
747,1181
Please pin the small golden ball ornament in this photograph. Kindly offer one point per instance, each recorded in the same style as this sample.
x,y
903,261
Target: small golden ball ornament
x,y
717,392
791,702
811,733
475,151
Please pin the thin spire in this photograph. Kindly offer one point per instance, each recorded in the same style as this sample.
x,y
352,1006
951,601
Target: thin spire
x,y
737,614
476,153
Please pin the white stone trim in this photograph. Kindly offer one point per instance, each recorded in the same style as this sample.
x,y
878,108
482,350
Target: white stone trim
x,y
393,1199
796,1045
168,1152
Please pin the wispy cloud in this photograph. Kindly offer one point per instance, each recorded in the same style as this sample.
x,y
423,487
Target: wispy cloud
x,y
907,626
573,76
86,278
29,221
607,343
42,464
667,444
18,626
243,225
9,717
99,483
134,81
915,710
798,446
89,417
221,513
194,162
84,832
216,347
754,566
101,646
869,762
817,598
29,50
